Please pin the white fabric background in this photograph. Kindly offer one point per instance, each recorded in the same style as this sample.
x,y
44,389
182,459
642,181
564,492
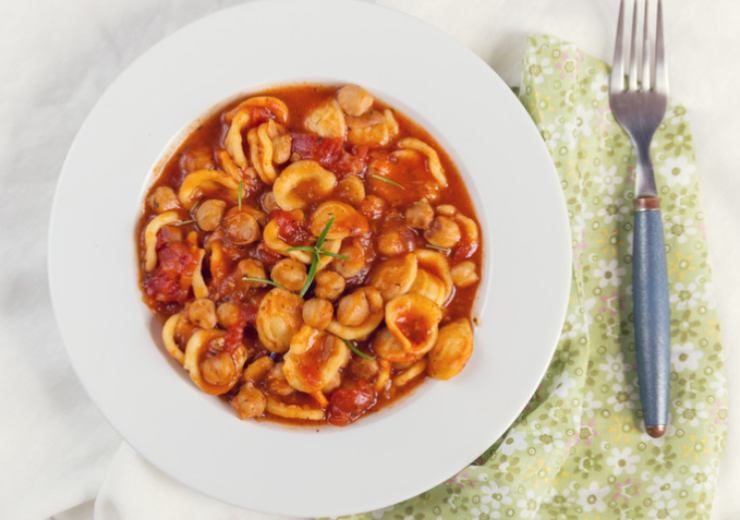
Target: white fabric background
x,y
57,453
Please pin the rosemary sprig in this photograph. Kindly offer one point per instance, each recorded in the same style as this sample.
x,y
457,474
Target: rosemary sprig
x,y
387,181
356,350
240,195
262,280
317,252
323,252
311,274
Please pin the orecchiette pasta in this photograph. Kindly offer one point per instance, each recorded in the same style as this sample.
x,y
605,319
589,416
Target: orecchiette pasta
x,y
413,320
225,367
410,373
314,359
347,220
150,236
435,166
301,183
168,338
433,279
271,236
365,320
395,276
194,183
200,289
452,350
278,318
373,129
294,411
250,112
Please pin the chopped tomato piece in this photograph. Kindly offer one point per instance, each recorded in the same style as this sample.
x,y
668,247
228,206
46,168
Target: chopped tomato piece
x,y
349,403
266,255
168,234
171,279
235,333
292,230
464,249
331,153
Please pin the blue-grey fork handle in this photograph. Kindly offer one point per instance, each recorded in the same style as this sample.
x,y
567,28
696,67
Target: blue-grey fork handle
x,y
651,315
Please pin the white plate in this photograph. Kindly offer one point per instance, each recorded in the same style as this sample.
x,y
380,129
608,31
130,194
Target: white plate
x,y
195,438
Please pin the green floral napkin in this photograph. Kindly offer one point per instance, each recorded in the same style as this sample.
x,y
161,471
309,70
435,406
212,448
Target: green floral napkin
x,y
578,449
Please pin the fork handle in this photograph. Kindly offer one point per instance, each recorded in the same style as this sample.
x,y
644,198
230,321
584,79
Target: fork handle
x,y
651,314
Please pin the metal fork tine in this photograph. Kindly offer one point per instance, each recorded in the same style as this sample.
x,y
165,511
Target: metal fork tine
x,y
616,80
645,69
632,78
660,69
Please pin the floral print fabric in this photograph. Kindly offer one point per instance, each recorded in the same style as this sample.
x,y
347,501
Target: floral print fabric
x,y
578,449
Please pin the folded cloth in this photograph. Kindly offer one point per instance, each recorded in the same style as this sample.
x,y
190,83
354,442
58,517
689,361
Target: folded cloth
x,y
578,449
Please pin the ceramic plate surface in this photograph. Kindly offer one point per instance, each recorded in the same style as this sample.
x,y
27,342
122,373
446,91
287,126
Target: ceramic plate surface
x,y
404,449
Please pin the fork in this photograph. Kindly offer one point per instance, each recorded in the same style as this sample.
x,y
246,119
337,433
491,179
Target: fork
x,y
638,99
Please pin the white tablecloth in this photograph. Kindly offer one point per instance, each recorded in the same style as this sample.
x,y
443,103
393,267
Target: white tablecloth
x,y
57,453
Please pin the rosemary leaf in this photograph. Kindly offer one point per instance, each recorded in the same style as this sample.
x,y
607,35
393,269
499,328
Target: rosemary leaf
x,y
356,350
311,274
309,249
324,232
262,280
387,181
316,257
323,252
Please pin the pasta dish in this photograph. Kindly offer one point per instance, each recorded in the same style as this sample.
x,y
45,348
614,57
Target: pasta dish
x,y
312,254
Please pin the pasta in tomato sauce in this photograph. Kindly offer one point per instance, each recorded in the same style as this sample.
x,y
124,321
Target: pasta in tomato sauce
x,y
313,255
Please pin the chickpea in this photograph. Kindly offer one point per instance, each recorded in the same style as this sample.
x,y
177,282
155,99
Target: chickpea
x,y
208,216
373,207
353,309
351,189
249,402
268,202
420,214
281,146
197,158
253,269
317,313
218,369
276,382
289,273
241,226
396,241
355,261
448,210
258,214
363,368
354,100
464,274
258,369
329,285
202,313
444,232
163,199
228,314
